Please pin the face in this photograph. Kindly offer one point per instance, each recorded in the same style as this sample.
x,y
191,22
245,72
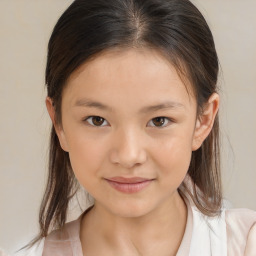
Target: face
x,y
129,125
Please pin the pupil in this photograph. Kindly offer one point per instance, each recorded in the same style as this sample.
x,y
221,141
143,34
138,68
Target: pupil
x,y
97,120
159,120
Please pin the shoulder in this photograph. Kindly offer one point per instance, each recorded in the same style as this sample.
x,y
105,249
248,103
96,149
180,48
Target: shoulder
x,y
62,241
241,231
58,242
232,232
208,235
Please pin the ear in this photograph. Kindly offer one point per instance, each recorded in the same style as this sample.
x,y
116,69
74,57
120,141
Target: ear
x,y
58,129
205,121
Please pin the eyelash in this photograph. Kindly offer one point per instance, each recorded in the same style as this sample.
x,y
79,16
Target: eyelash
x,y
166,118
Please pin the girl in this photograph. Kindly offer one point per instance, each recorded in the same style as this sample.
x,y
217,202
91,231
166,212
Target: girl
x,y
132,95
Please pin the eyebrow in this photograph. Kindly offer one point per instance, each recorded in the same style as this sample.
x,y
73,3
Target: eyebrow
x,y
163,105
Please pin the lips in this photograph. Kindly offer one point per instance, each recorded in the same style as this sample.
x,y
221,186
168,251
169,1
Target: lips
x,y
129,185
128,180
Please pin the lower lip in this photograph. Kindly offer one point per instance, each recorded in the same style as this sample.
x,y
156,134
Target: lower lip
x,y
129,188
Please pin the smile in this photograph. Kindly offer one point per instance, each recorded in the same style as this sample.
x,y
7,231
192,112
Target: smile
x,y
129,185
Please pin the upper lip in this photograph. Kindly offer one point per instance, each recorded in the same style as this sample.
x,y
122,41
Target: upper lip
x,y
128,180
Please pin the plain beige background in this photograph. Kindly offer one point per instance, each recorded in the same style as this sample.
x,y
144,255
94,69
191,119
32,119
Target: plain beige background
x,y
25,27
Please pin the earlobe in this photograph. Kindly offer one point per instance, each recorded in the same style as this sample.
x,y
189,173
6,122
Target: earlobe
x,y
59,131
205,121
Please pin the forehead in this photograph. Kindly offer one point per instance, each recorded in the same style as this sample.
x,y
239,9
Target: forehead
x,y
138,74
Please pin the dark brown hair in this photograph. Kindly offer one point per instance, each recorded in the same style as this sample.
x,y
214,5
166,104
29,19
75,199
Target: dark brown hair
x,y
175,28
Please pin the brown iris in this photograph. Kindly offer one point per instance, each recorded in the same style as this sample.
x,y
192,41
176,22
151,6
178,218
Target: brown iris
x,y
97,120
158,121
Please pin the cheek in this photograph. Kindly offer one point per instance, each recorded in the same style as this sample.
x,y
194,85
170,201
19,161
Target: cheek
x,y
174,157
86,156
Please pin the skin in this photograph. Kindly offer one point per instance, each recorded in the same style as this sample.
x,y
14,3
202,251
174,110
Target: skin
x,y
130,143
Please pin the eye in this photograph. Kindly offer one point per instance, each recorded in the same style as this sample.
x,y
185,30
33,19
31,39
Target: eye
x,y
95,120
160,121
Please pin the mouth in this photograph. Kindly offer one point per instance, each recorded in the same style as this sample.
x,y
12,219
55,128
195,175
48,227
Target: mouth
x,y
129,185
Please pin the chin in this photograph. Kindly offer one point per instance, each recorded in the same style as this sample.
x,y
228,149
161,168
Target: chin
x,y
131,209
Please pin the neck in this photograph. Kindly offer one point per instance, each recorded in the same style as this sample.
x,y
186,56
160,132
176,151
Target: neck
x,y
160,230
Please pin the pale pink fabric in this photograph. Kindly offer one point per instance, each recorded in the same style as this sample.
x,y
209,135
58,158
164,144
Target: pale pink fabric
x,y
241,232
66,242
2,253
232,234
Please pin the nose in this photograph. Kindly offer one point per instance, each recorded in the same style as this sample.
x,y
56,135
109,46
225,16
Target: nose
x,y
127,149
